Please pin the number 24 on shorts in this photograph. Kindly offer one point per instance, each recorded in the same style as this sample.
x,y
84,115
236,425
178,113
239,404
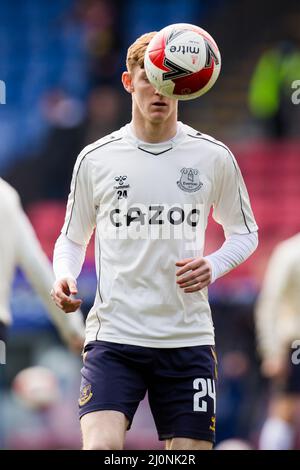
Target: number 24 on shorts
x,y
205,387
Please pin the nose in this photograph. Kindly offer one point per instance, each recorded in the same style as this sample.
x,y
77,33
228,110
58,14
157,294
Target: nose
x,y
156,92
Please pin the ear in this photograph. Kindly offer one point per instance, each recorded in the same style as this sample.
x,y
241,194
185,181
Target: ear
x,y
127,81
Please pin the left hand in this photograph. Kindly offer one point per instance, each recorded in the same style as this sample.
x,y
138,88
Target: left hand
x,y
199,274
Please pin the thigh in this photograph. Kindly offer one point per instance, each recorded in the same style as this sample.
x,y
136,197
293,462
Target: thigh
x,y
182,395
112,380
103,430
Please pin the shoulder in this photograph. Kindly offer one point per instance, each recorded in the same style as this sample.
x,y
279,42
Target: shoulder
x,y
100,146
8,195
206,141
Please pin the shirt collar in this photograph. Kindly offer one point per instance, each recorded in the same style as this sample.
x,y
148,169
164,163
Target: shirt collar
x,y
155,148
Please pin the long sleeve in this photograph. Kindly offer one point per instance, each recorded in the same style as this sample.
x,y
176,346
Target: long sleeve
x,y
68,258
38,270
234,251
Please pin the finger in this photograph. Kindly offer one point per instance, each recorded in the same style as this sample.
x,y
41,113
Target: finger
x,y
182,262
196,288
71,308
67,303
202,272
61,296
72,286
196,280
189,277
190,283
192,265
70,302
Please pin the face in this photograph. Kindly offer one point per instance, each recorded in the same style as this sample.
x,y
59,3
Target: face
x,y
147,102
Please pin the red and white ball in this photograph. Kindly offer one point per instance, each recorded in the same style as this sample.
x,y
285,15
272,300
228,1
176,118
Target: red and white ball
x,y
182,61
37,387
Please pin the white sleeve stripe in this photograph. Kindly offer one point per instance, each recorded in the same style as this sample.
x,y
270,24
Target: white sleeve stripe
x,y
83,157
224,147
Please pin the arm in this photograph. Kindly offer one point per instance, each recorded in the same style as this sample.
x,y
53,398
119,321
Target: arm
x,y
77,230
233,211
234,251
269,304
67,263
37,268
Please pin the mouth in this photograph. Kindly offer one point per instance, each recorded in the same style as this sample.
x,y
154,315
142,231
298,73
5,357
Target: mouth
x,y
159,103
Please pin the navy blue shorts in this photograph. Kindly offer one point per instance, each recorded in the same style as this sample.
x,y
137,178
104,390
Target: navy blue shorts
x,y
181,385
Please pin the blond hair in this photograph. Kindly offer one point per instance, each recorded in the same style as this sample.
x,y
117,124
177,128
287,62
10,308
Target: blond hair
x,y
136,52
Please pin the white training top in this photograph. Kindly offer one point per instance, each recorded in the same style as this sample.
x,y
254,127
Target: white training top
x,y
20,247
149,204
277,311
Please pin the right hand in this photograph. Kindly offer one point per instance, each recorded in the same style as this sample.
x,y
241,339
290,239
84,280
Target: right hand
x,y
62,292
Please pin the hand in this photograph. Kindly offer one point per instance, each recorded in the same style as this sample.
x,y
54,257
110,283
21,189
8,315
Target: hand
x,y
199,274
274,367
61,293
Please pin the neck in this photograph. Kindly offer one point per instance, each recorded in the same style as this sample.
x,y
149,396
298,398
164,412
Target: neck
x,y
154,132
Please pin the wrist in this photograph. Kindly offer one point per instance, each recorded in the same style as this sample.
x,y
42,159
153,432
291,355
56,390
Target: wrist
x,y
212,268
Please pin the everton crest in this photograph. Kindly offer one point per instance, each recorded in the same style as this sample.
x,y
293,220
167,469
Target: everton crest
x,y
189,180
85,394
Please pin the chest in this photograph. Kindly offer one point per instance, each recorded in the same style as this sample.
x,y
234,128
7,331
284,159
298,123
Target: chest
x,y
136,177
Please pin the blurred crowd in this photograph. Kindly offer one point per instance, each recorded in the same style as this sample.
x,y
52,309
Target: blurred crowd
x,y
61,61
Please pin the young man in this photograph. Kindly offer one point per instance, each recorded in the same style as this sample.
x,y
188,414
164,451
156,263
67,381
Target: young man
x,y
148,189
278,333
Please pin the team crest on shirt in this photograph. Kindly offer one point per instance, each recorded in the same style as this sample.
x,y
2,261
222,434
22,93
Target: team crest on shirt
x,y
85,394
189,180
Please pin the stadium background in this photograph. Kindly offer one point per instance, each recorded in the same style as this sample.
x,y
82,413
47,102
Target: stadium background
x,y
61,61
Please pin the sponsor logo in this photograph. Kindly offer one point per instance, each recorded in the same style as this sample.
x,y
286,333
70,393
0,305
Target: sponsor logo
x,y
161,221
120,180
185,49
154,215
189,180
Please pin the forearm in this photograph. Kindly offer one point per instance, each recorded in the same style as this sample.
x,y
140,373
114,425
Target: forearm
x,y
68,258
38,270
234,251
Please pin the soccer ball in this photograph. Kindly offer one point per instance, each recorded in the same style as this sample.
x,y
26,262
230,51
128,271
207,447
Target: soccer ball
x,y
36,387
182,61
